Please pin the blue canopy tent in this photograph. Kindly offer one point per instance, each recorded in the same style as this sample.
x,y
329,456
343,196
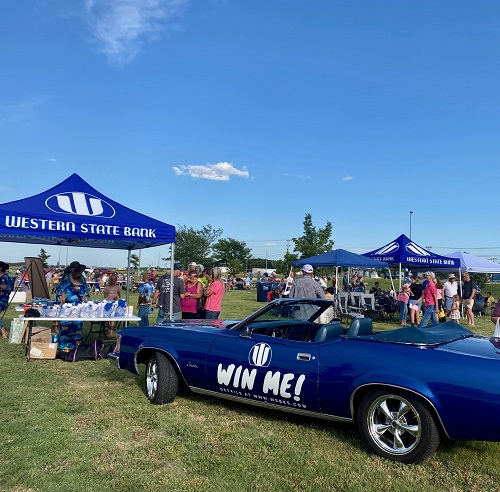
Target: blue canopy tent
x,y
73,213
404,252
340,257
471,263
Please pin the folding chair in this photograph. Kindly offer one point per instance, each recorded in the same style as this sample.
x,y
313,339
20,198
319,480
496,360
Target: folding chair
x,y
368,305
356,307
343,306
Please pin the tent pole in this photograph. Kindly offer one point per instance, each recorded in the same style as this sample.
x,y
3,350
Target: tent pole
x,y
461,288
390,276
399,278
172,249
127,283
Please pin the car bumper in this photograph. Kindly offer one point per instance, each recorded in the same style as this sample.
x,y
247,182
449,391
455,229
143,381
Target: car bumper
x,y
114,358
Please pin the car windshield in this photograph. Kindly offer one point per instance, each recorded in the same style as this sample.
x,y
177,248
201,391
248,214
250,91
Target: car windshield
x,y
287,309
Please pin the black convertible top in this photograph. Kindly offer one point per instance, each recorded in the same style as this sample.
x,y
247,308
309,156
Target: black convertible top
x,y
435,334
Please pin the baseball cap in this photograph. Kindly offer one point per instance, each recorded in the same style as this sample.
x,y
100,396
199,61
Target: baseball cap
x,y
451,276
307,268
178,266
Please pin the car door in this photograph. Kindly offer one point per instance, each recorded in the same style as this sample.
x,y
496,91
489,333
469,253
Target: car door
x,y
264,369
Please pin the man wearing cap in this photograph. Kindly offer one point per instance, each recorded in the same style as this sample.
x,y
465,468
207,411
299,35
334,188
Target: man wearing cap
x,y
450,289
162,291
306,287
431,304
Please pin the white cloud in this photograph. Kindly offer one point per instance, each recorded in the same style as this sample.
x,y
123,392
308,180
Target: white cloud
x,y
122,27
347,178
23,111
298,176
51,159
217,172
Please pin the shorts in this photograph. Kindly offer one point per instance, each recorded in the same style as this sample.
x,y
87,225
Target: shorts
x,y
412,301
468,303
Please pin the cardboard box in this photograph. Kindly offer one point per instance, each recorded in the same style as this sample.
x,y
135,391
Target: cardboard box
x,y
42,350
41,334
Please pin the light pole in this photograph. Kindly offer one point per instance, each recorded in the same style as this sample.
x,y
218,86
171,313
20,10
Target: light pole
x,y
411,213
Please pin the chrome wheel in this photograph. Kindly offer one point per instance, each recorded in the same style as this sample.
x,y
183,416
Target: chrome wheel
x,y
161,379
152,378
398,425
394,424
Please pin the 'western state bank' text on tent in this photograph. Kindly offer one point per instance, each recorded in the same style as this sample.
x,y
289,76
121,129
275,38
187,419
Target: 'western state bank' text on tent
x,y
73,213
403,251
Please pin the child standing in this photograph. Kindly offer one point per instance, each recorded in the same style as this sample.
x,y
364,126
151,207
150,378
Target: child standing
x,y
455,309
146,291
403,298
112,293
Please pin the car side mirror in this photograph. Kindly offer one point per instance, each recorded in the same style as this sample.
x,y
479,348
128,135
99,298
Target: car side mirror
x,y
247,333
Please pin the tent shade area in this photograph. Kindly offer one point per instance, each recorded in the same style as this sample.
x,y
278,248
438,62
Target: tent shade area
x,y
73,213
475,264
403,251
340,257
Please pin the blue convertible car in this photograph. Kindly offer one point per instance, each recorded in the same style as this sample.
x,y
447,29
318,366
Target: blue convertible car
x,y
405,389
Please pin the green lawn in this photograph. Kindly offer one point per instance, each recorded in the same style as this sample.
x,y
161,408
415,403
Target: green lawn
x,y
88,427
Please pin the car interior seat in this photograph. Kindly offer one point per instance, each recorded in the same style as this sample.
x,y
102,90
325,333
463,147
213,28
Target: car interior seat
x,y
326,332
360,327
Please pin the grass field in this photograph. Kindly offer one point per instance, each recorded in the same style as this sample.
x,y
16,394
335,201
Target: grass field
x,y
88,426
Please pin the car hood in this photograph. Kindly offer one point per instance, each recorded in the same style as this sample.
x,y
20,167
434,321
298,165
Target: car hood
x,y
475,346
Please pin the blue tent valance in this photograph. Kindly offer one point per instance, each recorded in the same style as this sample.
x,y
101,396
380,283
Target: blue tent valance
x,y
73,213
403,251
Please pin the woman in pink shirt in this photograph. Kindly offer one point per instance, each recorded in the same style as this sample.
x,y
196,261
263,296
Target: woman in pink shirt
x,y
214,293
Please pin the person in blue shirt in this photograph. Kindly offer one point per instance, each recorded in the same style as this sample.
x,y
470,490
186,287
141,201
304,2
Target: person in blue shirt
x,y
72,288
6,286
146,290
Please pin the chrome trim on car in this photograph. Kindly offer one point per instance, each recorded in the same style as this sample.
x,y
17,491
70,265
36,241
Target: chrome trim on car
x,y
387,385
168,354
303,356
270,405
114,359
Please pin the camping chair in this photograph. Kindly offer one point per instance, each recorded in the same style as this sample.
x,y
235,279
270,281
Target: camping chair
x,y
368,305
391,308
356,307
342,306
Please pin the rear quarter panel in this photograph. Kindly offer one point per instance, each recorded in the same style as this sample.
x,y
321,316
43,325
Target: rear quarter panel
x,y
464,390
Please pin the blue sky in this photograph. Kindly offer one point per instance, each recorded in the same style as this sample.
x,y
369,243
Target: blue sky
x,y
248,115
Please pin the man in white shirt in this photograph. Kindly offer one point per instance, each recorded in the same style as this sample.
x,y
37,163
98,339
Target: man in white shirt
x,y
288,285
450,289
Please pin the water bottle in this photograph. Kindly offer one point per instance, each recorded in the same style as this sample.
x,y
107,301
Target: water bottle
x,y
54,337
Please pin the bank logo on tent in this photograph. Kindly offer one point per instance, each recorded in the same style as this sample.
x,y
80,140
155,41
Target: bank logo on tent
x,y
79,203
389,248
260,355
416,250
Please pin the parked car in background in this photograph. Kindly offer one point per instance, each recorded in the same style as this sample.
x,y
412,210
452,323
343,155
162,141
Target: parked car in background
x,y
405,389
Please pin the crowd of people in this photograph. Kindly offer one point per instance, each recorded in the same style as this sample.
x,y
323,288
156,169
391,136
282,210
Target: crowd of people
x,y
195,295
198,293
436,301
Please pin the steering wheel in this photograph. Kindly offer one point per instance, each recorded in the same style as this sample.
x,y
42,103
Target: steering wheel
x,y
275,332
